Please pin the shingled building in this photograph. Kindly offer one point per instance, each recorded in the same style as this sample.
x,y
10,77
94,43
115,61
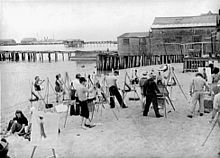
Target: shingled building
x,y
187,34
135,43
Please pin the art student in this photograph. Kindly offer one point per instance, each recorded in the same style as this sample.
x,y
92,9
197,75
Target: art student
x,y
113,90
196,91
82,93
58,87
19,124
150,90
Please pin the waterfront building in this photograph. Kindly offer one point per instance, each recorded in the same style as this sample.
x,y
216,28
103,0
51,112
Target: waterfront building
x,y
28,40
4,42
74,43
174,35
133,43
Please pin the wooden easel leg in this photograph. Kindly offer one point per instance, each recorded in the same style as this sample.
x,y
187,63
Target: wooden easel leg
x,y
114,114
67,112
165,109
32,154
54,154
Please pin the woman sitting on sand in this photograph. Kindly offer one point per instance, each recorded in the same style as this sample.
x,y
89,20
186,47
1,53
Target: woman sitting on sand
x,y
19,124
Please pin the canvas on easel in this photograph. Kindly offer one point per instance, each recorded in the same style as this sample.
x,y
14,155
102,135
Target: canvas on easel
x,y
128,87
44,130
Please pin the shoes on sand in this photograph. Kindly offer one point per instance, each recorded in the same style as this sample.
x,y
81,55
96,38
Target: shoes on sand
x,y
190,116
159,115
89,126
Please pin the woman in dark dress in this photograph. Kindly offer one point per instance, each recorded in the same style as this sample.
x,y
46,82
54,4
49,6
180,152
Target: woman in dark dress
x,y
19,124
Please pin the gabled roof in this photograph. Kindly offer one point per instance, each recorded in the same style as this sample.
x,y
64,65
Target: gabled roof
x,y
134,35
185,21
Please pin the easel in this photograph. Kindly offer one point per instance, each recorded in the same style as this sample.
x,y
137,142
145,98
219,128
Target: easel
x,y
165,97
177,82
67,81
126,85
44,109
34,149
172,77
101,100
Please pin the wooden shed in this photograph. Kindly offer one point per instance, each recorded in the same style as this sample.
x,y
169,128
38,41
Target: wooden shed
x,y
171,35
135,43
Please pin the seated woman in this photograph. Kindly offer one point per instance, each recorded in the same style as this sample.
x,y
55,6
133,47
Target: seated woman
x,y
19,124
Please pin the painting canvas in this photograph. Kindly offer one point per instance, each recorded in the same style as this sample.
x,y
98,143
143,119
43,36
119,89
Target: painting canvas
x,y
44,128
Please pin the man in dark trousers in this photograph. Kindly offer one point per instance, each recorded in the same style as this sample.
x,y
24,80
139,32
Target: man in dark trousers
x,y
150,89
113,90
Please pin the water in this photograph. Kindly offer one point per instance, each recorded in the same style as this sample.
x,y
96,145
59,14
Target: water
x,y
16,77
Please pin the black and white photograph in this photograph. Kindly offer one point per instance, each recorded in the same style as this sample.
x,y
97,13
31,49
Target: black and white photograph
x,y
109,78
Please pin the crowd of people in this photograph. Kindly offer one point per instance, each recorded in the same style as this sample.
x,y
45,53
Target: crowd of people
x,y
83,96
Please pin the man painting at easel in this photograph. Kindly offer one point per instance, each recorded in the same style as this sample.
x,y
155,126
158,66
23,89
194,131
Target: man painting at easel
x,y
113,90
150,88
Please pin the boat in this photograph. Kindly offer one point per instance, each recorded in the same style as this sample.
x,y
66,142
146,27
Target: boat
x,y
85,55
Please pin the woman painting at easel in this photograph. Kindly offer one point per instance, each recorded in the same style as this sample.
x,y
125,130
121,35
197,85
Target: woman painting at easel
x,y
37,88
58,87
83,101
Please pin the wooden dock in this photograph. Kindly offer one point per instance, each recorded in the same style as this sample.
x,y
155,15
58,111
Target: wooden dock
x,y
191,64
34,55
108,62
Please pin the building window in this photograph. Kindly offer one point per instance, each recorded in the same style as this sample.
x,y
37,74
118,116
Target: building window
x,y
178,39
197,38
143,41
126,41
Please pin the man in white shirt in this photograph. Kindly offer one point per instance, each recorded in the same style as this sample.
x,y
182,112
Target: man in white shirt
x,y
75,82
75,108
113,90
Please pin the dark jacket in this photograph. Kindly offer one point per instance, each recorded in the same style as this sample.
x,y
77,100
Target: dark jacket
x,y
150,87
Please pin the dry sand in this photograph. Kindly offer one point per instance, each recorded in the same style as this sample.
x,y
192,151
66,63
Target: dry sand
x,y
134,135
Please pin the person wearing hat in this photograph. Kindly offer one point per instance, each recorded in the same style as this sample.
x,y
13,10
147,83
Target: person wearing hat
x,y
19,124
150,89
196,91
4,148
141,84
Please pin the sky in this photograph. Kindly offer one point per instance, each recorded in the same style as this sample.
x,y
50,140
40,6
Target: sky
x,y
90,20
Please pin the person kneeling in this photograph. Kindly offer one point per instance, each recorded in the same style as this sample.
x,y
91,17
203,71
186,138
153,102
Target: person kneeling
x,y
19,124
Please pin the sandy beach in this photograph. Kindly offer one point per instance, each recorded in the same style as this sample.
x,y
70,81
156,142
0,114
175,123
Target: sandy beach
x,y
134,135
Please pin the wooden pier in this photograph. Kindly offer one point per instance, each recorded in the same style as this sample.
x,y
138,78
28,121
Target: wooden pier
x,y
108,62
35,55
191,64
